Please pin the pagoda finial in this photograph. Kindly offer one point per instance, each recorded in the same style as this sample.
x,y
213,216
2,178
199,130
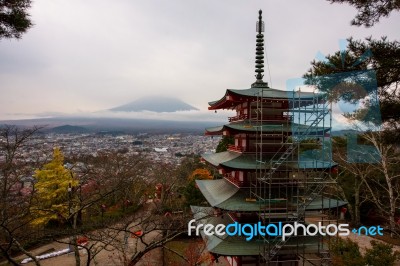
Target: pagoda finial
x,y
259,53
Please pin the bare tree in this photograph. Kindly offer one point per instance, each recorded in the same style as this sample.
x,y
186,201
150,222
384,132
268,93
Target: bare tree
x,y
351,177
158,230
383,183
130,239
194,254
109,183
108,180
113,181
14,200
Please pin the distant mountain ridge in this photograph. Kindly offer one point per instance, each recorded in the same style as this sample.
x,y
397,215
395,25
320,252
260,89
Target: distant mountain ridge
x,y
127,125
344,132
69,129
155,104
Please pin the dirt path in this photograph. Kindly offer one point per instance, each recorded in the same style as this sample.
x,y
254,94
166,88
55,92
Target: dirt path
x,y
104,257
364,242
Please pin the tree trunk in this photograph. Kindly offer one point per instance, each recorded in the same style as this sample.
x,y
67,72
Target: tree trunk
x,y
356,218
89,257
75,243
136,258
392,203
8,257
391,192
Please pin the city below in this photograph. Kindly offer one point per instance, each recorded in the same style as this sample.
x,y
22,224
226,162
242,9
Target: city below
x,y
165,148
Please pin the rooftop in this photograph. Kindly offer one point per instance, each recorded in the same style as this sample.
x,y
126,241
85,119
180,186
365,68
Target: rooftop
x,y
222,194
234,97
248,161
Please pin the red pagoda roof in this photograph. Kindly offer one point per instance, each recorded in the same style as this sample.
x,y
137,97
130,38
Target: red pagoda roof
x,y
235,97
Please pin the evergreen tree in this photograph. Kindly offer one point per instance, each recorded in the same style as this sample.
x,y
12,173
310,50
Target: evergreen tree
x,y
346,252
224,142
348,75
14,20
370,11
381,254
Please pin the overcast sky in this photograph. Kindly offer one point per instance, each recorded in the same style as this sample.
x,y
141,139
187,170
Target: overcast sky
x,y
87,55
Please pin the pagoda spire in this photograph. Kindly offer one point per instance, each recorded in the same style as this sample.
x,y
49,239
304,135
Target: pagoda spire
x,y
259,53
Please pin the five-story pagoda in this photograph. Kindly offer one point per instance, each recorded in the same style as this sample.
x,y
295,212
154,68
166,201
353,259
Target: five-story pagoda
x,y
269,175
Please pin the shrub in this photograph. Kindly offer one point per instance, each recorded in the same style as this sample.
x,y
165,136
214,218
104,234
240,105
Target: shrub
x,y
346,252
381,254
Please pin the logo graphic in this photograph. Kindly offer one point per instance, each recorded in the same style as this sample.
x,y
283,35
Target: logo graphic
x,y
279,230
349,89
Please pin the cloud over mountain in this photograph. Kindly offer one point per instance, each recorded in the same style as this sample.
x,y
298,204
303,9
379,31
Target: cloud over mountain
x,y
155,104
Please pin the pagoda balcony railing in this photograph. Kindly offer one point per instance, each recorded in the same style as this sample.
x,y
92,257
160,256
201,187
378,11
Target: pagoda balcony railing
x,y
268,149
264,117
235,148
235,180
238,117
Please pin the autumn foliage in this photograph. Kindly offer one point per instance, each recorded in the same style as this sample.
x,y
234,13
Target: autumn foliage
x,y
51,190
202,174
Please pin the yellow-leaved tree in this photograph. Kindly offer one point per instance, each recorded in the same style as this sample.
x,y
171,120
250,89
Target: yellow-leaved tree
x,y
52,200
200,173
191,192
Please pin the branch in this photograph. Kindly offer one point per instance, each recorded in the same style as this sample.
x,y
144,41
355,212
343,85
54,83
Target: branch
x,y
26,252
176,253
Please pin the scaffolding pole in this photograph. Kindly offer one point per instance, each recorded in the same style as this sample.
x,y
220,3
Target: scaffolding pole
x,y
287,174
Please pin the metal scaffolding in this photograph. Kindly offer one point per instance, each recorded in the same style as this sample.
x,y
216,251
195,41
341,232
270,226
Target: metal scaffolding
x,y
294,175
